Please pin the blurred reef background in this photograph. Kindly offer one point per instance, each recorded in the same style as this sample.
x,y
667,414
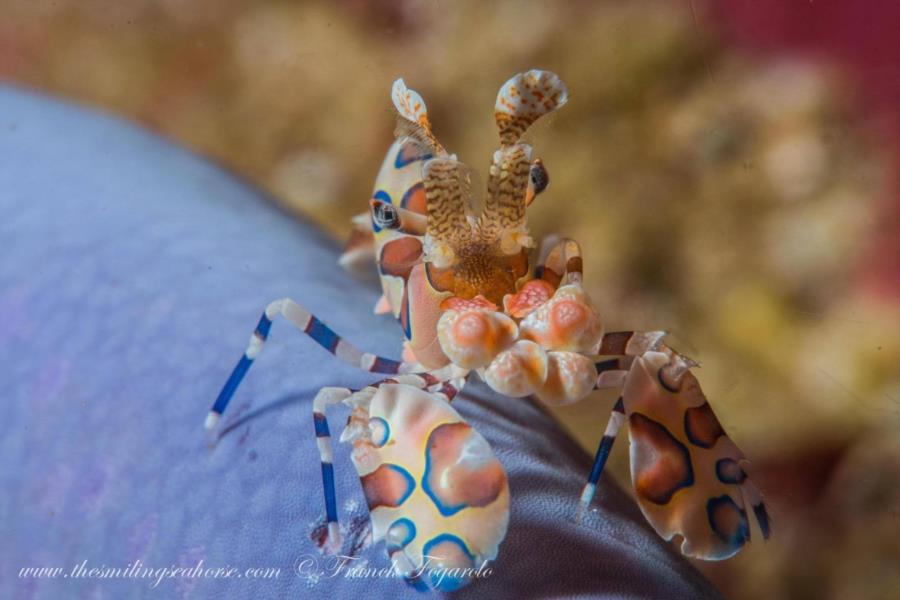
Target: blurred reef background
x,y
730,170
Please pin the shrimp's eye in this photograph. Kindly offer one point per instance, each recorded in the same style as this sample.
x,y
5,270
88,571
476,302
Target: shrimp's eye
x,y
539,177
385,216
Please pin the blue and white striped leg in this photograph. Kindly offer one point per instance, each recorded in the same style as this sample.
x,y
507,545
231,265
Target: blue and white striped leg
x,y
612,374
325,397
314,328
616,418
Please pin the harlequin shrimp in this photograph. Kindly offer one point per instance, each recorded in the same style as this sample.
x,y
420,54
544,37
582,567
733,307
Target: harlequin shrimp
x,y
463,290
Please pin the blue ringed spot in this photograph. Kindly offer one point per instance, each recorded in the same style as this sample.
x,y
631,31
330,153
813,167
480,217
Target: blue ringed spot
x,y
444,579
670,468
388,485
728,521
701,426
381,431
729,471
400,533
